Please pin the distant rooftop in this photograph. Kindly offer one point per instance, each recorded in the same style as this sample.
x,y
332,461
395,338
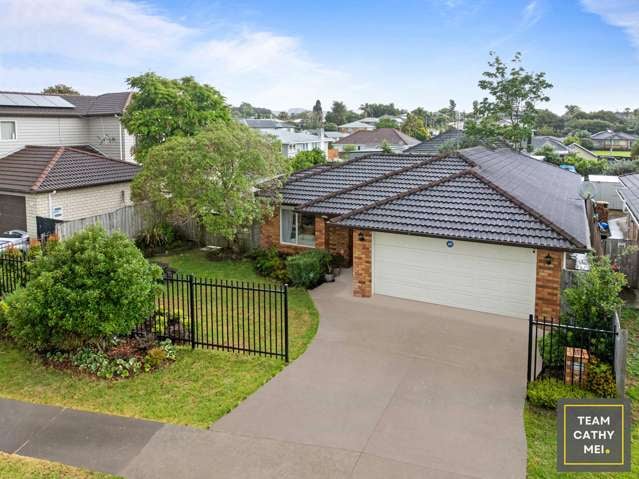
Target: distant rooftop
x,y
391,136
267,123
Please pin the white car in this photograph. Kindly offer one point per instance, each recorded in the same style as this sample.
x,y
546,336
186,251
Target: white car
x,y
18,239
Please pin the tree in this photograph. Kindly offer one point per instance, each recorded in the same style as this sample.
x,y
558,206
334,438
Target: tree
x,y
379,109
571,111
414,126
570,139
387,123
593,126
552,123
60,89
316,119
338,113
510,112
452,110
386,147
585,166
549,155
282,116
246,110
210,177
163,108
84,291
307,159
634,153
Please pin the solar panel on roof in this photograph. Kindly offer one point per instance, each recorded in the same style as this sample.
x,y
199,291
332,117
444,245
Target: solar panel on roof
x,y
42,101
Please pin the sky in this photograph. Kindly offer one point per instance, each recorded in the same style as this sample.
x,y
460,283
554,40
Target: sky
x,y
287,54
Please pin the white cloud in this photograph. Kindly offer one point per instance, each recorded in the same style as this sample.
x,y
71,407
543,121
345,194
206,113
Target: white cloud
x,y
531,14
95,45
619,13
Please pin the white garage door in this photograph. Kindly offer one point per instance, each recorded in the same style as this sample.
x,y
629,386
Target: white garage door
x,y
482,277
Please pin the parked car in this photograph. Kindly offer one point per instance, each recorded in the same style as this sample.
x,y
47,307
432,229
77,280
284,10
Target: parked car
x,y
18,239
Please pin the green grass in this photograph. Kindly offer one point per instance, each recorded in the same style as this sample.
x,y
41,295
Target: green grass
x,y
541,427
616,153
18,467
200,387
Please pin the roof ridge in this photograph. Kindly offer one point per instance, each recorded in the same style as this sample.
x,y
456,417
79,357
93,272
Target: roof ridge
x,y
398,196
99,155
477,174
47,169
370,181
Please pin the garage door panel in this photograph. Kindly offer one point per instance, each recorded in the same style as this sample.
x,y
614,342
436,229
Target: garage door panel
x,y
484,277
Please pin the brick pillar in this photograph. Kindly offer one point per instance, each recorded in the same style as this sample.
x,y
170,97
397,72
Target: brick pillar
x,y
270,230
362,249
339,241
320,233
548,286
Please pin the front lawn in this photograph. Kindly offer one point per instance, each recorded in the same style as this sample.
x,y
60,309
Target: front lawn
x,y
18,467
615,153
541,427
197,389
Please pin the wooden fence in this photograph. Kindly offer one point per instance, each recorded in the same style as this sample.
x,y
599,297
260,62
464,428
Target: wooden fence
x,y
131,220
625,254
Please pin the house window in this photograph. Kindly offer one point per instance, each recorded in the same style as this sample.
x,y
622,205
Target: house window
x,y
56,212
296,228
7,130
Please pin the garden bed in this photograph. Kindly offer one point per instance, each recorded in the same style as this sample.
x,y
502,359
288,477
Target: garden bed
x,y
197,389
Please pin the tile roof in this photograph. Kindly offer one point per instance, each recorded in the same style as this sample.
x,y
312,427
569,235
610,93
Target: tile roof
x,y
463,206
35,169
391,136
613,135
106,104
432,146
539,141
543,199
630,192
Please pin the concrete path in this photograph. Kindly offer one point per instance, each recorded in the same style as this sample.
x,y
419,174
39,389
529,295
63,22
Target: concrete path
x,y
389,388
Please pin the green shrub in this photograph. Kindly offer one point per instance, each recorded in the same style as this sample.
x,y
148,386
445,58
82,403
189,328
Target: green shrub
x,y
601,379
307,269
4,317
551,347
159,235
270,263
546,392
154,358
86,290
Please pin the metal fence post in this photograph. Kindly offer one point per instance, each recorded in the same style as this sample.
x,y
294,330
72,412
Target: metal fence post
x,y
192,310
286,323
530,328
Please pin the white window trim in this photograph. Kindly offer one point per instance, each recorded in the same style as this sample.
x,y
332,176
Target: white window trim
x,y
15,129
296,226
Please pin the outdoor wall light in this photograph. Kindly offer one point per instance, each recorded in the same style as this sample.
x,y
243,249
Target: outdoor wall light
x,y
361,236
548,259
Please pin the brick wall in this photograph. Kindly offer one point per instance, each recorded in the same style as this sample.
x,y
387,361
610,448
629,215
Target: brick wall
x,y
362,258
321,233
339,241
548,287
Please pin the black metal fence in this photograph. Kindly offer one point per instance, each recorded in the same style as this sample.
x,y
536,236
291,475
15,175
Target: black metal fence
x,y
13,273
236,316
563,351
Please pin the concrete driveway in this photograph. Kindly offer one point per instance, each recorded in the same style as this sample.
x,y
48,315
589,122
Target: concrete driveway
x,y
388,389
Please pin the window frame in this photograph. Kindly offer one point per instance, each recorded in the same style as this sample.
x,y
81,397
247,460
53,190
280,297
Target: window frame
x,y
297,217
15,130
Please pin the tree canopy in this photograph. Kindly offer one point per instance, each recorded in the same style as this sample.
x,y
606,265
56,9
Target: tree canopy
x,y
210,176
162,108
340,114
387,123
60,89
379,109
307,159
509,112
414,126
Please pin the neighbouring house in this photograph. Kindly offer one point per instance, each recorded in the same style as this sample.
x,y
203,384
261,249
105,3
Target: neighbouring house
x,y
629,193
371,141
611,140
354,126
267,125
433,145
294,142
538,142
485,230
65,120
606,187
582,152
41,185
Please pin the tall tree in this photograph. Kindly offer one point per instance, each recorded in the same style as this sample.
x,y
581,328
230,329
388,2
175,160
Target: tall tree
x,y
60,89
317,116
246,110
414,126
510,111
387,123
210,176
338,113
162,108
452,110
